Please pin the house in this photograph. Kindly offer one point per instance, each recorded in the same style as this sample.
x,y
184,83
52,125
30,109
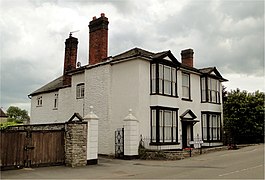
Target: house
x,y
174,102
3,116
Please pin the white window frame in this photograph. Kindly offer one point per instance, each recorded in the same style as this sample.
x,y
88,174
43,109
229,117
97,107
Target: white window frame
x,y
80,91
55,105
39,101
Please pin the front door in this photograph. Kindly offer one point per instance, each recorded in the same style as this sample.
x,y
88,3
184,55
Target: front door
x,y
187,134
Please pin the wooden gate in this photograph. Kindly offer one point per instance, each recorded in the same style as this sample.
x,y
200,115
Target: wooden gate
x,y
31,148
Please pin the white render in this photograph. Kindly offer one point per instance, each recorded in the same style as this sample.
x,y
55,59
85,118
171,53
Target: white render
x,y
131,135
92,135
113,88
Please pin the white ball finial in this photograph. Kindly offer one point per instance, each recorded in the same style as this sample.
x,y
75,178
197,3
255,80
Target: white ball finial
x,y
91,109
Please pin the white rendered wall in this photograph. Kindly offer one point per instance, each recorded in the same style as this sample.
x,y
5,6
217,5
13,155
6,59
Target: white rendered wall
x,y
45,113
97,94
130,90
78,104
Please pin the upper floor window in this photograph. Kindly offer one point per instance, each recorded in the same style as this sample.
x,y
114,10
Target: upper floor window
x,y
211,126
39,101
80,91
210,90
55,101
164,125
163,80
186,86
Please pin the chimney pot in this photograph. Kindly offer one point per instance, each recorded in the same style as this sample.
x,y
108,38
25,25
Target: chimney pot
x,y
187,57
102,14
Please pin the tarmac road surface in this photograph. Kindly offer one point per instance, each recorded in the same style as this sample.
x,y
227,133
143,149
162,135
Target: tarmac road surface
x,y
244,163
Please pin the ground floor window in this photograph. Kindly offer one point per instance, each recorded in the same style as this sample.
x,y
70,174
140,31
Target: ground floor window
x,y
164,125
211,126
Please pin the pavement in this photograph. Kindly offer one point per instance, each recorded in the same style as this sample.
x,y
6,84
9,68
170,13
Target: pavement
x,y
244,163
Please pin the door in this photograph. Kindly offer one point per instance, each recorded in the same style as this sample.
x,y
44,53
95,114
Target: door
x,y
187,134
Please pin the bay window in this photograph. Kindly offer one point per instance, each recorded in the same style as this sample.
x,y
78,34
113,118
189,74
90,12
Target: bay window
x,y
210,90
163,79
164,125
211,126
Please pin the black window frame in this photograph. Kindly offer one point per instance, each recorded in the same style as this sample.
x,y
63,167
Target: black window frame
x,y
209,137
157,84
208,93
157,141
184,98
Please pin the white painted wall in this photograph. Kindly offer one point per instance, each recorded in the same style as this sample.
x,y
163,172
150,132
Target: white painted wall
x,y
78,104
98,92
45,113
113,89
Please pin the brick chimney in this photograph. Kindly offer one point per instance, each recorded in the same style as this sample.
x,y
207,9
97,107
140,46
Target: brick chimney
x,y
69,58
98,39
187,57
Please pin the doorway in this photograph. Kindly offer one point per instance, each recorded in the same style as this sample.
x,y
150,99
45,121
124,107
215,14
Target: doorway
x,y
187,134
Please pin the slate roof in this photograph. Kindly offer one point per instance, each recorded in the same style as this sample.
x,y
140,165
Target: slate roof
x,y
2,113
51,86
209,70
132,53
135,52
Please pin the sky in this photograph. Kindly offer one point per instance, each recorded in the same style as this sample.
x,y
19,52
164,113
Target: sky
x,y
227,34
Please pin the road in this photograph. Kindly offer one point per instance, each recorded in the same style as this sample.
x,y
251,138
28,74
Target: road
x,y
244,163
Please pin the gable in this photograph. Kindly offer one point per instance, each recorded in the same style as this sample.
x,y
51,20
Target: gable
x,y
188,114
212,72
166,56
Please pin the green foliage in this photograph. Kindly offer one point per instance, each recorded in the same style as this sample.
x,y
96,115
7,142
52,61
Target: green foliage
x,y
6,124
15,114
244,116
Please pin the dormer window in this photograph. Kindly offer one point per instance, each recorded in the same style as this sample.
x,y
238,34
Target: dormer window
x,y
80,91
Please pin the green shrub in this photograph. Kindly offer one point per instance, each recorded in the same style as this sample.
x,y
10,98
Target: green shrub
x,y
4,125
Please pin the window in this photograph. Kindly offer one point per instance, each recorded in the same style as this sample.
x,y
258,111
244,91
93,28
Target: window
x,y
39,101
211,126
164,125
185,86
210,90
55,101
80,91
203,89
163,80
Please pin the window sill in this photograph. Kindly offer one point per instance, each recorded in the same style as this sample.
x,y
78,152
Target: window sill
x,y
211,141
55,109
80,98
163,144
164,95
185,99
210,102
39,106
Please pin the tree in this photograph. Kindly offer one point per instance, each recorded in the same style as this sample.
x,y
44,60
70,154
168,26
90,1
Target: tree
x,y
15,114
244,116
